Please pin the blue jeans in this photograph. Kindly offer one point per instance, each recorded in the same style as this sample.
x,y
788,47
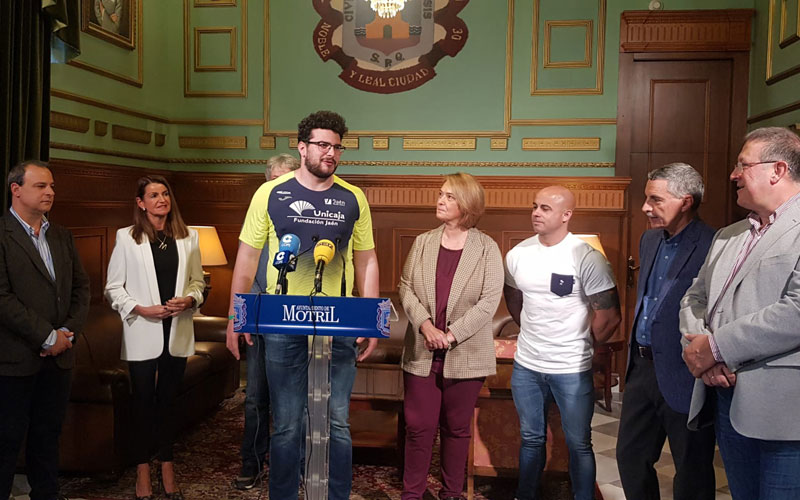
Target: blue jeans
x,y
574,394
287,357
756,468
255,440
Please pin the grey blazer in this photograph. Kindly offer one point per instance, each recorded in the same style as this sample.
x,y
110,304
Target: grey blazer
x,y
474,296
756,325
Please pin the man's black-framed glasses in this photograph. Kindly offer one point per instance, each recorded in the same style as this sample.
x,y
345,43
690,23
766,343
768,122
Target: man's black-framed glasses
x,y
325,146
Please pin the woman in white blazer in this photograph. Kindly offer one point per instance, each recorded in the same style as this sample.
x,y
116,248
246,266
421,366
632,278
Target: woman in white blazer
x,y
155,282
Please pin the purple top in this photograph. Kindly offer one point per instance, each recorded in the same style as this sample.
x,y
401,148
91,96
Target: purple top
x,y
446,264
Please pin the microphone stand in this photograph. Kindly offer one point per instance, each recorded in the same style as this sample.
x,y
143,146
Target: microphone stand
x,y
318,276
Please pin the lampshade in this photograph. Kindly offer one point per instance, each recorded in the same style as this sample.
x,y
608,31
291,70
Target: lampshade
x,y
211,253
594,241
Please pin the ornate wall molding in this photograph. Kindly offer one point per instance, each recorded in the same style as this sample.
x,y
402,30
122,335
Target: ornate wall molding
x,y
213,142
66,121
215,3
198,52
69,96
439,143
587,25
591,193
350,142
498,143
105,152
771,76
100,128
363,163
560,143
790,38
380,143
266,142
512,164
562,122
772,113
187,70
131,134
686,30
599,57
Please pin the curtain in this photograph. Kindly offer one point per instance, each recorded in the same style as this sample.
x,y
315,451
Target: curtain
x,y
26,28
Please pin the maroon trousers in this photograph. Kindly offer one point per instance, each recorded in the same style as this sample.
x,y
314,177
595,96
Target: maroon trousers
x,y
447,403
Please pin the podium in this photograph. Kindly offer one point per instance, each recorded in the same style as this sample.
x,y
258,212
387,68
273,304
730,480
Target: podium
x,y
319,317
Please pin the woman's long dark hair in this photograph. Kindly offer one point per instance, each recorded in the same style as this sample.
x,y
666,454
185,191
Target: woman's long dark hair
x,y
174,227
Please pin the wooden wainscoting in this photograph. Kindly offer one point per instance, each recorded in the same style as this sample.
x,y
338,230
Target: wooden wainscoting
x,y
95,199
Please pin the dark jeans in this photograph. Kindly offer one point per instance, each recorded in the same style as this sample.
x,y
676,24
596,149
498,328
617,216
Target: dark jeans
x,y
34,406
255,440
287,357
431,402
647,420
154,404
757,469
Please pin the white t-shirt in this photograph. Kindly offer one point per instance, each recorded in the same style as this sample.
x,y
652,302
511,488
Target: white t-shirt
x,y
555,281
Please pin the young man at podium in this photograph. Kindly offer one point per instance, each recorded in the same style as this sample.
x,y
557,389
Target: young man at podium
x,y
311,204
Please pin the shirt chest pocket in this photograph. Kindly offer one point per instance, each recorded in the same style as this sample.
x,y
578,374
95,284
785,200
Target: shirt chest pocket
x,y
561,284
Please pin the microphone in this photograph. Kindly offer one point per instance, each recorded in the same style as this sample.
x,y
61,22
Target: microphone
x,y
323,253
285,260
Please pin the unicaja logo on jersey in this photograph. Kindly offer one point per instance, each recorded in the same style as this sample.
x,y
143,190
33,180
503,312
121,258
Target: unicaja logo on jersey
x,y
301,205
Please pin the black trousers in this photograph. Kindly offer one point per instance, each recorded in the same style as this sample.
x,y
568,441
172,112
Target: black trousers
x,y
33,406
647,420
154,405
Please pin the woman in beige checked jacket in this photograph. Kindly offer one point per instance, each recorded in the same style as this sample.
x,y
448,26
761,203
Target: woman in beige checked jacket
x,y
450,288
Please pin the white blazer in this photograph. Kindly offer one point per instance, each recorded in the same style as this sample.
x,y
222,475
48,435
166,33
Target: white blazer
x,y
132,281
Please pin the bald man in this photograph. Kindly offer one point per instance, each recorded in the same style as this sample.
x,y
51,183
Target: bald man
x,y
562,293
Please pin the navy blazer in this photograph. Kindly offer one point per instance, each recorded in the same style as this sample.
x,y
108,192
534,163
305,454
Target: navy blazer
x,y
674,380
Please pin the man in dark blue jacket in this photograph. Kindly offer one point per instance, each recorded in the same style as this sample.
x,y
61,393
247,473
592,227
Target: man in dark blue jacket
x,y
658,388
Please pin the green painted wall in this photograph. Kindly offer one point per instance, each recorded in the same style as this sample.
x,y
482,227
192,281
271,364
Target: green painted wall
x,y
771,97
468,94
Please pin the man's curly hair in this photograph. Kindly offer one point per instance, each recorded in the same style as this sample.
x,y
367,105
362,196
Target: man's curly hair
x,y
327,120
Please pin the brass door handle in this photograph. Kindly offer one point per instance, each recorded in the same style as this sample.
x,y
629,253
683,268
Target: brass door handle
x,y
630,281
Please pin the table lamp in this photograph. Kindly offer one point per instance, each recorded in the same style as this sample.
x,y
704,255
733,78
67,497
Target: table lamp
x,y
594,241
211,253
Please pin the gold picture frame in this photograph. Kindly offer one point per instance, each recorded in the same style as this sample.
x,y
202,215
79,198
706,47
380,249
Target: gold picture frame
x,y
113,21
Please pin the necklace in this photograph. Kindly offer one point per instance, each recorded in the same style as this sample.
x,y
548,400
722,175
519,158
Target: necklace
x,y
162,244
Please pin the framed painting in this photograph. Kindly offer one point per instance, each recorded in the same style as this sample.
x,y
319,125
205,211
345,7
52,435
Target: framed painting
x,y
111,20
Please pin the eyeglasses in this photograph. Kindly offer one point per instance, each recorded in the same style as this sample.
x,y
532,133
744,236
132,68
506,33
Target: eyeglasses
x,y
325,146
742,166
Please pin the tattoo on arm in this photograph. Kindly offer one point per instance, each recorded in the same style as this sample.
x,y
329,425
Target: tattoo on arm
x,y
608,299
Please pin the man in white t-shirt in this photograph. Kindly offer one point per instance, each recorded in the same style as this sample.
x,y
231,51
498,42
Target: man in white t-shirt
x,y
562,293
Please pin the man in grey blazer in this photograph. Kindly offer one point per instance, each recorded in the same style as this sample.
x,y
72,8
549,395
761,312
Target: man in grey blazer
x,y
741,324
44,301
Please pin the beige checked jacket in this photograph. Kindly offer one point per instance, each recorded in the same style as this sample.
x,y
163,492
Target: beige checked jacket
x,y
474,295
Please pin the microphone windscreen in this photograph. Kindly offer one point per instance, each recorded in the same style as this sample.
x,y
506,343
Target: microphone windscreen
x,y
289,243
324,251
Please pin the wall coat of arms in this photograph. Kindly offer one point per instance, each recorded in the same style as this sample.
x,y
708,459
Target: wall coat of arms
x,y
388,51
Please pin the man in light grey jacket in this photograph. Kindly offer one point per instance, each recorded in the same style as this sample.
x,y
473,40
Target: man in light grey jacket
x,y
741,324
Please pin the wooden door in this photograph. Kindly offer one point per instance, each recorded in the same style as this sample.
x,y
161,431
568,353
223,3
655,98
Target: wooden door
x,y
681,113
680,100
